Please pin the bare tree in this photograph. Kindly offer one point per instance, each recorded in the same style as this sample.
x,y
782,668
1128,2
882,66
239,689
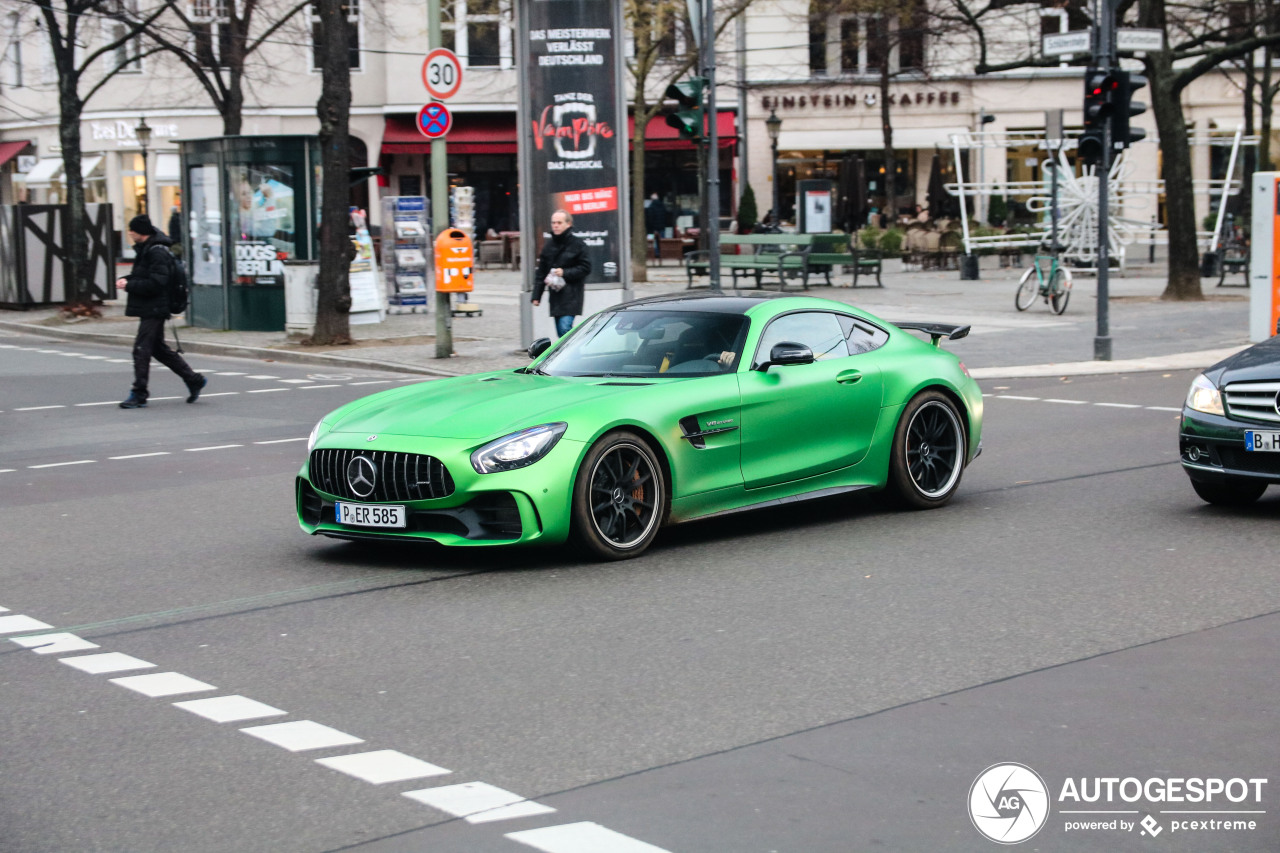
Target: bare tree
x,y
216,40
333,303
664,53
71,27
1200,37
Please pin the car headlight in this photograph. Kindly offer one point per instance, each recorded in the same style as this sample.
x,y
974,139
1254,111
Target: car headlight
x,y
315,435
1204,397
518,449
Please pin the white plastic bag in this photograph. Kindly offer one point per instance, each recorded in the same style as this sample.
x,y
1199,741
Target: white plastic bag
x,y
554,282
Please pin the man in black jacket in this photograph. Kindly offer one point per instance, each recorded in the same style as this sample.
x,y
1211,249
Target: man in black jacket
x,y
148,290
564,255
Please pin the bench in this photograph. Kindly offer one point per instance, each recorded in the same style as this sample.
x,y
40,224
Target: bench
x,y
787,256
783,255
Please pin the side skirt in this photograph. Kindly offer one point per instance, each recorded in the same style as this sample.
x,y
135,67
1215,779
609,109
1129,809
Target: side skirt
x,y
790,499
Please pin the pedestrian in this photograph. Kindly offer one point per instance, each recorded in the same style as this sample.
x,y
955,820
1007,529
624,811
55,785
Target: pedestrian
x,y
564,255
148,300
655,222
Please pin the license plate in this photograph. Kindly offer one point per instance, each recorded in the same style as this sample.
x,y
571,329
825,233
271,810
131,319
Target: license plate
x,y
1267,442
369,515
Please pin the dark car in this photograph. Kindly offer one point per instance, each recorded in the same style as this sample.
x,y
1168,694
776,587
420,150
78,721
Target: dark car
x,y
1230,437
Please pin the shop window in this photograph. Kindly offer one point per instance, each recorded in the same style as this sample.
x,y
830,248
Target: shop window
x,y
13,53
352,10
842,42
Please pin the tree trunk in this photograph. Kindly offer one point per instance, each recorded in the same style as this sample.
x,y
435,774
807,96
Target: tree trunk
x,y
890,176
1267,94
639,241
333,304
70,108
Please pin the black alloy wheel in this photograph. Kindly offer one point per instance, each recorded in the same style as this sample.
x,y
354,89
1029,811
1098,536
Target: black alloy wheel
x,y
928,452
619,499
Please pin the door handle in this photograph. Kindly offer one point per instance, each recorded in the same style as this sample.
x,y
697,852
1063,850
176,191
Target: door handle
x,y
849,377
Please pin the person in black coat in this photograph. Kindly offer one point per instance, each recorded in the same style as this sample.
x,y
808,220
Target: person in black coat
x,y
148,300
655,221
564,255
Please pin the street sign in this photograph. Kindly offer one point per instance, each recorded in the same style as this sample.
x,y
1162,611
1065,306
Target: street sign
x,y
1131,38
1062,44
442,73
434,120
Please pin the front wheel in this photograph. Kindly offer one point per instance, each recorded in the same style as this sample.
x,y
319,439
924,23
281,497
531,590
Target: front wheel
x,y
619,498
1060,290
928,452
1027,288
1230,492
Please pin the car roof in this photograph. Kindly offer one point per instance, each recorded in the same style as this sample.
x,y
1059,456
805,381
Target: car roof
x,y
709,301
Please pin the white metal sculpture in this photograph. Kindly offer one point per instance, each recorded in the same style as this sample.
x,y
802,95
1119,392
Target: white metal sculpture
x,y
1078,209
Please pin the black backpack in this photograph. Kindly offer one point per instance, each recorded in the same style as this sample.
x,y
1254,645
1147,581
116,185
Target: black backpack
x,y
179,287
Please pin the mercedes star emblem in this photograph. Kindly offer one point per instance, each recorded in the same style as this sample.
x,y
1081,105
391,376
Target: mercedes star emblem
x,y
361,475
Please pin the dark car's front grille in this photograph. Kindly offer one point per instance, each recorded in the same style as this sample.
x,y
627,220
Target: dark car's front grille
x,y
396,476
1254,401
1252,461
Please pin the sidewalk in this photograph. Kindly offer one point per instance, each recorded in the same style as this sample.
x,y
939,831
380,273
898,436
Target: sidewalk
x,y
1147,334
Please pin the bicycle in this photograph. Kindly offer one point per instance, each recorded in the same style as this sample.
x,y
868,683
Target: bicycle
x,y
1054,285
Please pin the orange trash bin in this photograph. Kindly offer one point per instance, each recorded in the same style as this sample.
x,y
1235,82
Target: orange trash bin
x,y
455,261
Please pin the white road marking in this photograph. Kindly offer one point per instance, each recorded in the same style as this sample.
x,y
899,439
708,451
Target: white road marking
x,y
268,390
382,766
141,455
118,361
154,399
211,447
1015,397
220,394
163,684
1068,402
292,381
372,382
281,440
60,464
262,376
301,735
106,662
14,624
1119,405
227,373
478,802
7,470
229,709
103,403
54,644
37,408
94,357
585,837
1163,409
309,387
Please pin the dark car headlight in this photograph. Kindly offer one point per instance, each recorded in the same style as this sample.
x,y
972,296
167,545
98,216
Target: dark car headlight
x,y
518,449
1204,397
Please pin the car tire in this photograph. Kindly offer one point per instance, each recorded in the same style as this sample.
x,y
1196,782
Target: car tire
x,y
1231,492
929,450
619,498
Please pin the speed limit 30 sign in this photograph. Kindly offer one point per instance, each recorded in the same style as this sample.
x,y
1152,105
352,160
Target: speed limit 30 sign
x,y
442,73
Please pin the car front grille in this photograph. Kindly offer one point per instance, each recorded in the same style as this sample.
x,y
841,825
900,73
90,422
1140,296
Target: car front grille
x,y
397,476
1254,401
1254,462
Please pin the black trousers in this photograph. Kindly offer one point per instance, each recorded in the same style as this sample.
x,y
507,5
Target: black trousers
x,y
150,343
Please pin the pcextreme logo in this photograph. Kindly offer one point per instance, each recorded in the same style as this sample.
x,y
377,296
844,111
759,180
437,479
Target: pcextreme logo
x,y
1010,802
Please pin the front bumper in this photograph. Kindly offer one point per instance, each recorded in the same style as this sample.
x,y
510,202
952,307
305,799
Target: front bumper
x,y
1212,448
525,506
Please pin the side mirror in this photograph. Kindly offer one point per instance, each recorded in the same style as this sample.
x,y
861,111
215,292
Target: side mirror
x,y
539,346
787,352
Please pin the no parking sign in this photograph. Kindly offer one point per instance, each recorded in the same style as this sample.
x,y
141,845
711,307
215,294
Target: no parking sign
x,y
434,120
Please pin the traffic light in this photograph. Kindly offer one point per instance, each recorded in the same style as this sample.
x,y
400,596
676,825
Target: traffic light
x,y
688,119
1125,107
1100,87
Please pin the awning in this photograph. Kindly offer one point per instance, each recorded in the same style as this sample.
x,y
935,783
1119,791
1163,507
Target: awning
x,y
660,136
495,133
11,149
470,133
865,140
168,170
43,174
89,163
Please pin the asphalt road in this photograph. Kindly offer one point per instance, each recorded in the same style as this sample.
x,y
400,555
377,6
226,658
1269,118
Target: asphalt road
x,y
827,677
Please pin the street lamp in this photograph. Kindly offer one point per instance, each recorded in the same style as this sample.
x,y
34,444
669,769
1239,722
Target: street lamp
x,y
143,132
773,125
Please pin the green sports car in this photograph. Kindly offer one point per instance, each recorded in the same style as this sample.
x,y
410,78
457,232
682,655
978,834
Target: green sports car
x,y
649,413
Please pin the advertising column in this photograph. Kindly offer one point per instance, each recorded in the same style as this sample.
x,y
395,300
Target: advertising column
x,y
573,144
1264,265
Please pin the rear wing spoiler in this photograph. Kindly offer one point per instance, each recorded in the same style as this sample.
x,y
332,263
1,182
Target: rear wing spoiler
x,y
937,331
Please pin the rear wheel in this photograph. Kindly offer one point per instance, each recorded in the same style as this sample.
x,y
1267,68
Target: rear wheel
x,y
1060,290
619,499
1027,288
928,452
1229,492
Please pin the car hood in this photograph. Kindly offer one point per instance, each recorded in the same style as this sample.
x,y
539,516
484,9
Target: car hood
x,y
475,407
1261,361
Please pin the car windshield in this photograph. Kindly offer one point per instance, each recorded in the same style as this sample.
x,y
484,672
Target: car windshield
x,y
670,344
